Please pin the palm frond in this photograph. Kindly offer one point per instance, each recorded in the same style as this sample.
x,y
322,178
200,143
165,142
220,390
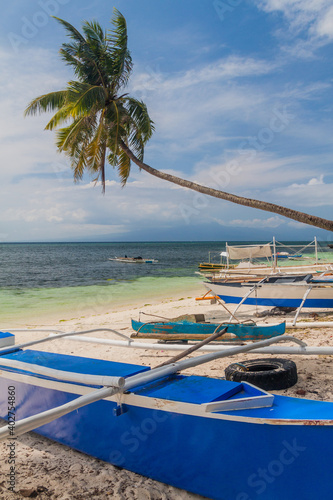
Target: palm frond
x,y
123,166
61,116
84,97
82,51
47,102
119,54
95,147
79,164
72,32
70,56
94,32
76,135
139,114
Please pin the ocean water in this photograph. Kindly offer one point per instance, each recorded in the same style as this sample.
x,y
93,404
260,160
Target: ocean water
x,y
41,279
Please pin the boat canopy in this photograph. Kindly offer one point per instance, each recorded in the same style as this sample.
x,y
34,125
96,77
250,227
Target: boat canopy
x,y
249,252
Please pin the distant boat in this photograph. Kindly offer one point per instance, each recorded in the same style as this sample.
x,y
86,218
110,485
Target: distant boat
x,y
187,330
287,255
134,260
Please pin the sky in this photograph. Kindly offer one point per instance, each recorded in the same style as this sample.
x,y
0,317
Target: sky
x,y
241,94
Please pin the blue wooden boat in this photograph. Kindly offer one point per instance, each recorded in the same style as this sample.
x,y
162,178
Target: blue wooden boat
x,y
286,255
187,330
276,291
223,440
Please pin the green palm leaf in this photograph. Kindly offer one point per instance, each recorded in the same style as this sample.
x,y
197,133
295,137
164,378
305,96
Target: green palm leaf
x,y
46,103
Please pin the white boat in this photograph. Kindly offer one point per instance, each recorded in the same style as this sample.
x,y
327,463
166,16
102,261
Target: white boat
x,y
265,259
134,260
278,291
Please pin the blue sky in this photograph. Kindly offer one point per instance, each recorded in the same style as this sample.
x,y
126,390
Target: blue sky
x,y
241,96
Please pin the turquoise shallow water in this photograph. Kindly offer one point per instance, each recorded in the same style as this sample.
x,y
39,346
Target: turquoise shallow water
x,y
74,279
73,302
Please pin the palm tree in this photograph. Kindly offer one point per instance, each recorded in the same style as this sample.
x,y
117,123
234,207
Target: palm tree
x,y
100,124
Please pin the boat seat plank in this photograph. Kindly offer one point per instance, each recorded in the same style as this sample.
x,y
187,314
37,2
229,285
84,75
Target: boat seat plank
x,y
6,339
193,389
244,397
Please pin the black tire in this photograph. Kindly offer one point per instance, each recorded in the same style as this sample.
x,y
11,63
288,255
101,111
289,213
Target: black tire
x,y
268,374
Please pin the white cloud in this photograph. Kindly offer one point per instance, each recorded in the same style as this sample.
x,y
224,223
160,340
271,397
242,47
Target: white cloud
x,y
24,144
300,13
311,18
186,105
96,184
297,225
314,193
314,182
271,222
232,67
251,170
325,24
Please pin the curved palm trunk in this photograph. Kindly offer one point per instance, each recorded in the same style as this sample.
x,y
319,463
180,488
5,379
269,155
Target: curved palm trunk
x,y
247,202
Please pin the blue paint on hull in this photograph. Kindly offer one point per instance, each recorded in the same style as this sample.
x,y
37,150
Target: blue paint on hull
x,y
279,302
220,459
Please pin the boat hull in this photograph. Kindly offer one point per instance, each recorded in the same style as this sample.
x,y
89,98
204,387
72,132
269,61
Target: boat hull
x,y
192,330
165,434
271,270
278,295
130,260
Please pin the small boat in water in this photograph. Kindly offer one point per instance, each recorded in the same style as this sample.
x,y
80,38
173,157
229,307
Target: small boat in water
x,y
187,330
213,437
287,255
134,260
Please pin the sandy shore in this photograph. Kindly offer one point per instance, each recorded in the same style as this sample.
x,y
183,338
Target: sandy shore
x,y
48,470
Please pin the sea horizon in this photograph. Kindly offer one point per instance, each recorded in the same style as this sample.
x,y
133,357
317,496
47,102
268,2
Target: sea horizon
x,y
245,241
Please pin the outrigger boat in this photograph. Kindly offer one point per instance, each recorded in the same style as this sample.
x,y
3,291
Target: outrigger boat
x,y
278,291
209,436
286,255
187,330
134,260
266,259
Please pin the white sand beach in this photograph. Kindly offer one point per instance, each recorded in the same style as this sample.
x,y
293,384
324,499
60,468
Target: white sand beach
x,y
50,470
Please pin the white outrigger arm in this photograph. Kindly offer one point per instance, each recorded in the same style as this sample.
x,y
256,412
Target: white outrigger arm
x,y
31,423
301,304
